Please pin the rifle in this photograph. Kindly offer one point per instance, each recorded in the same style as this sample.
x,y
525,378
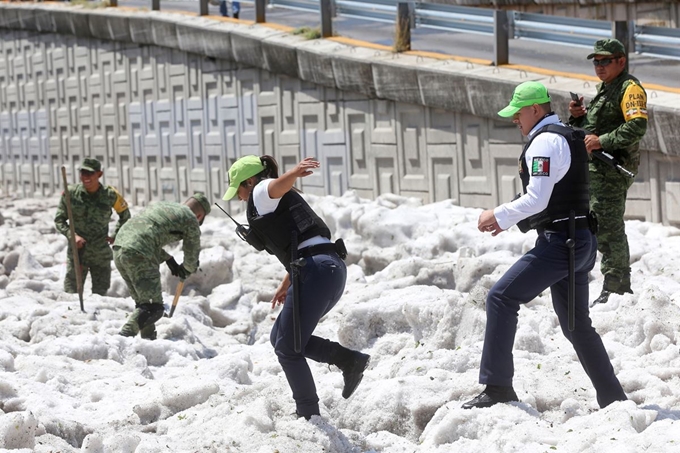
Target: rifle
x,y
612,162
72,240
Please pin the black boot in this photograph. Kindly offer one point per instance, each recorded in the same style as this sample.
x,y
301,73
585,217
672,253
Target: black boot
x,y
352,364
602,298
491,395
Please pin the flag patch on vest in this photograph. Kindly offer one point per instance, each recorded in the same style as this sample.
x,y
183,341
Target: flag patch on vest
x,y
540,166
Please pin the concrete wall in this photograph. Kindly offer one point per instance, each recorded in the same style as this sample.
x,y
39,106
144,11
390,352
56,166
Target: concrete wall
x,y
167,102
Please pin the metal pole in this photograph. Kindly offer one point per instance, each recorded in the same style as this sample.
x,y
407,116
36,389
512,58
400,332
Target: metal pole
x,y
155,5
260,7
402,36
203,5
326,8
501,48
622,30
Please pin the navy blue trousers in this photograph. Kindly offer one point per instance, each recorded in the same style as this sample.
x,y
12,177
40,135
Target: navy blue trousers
x,y
322,282
547,265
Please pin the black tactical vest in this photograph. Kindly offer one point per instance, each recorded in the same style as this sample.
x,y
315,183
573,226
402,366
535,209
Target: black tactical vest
x,y
276,229
570,192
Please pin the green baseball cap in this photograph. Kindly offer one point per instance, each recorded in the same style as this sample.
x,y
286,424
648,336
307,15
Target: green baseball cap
x,y
90,164
527,93
244,168
203,200
607,47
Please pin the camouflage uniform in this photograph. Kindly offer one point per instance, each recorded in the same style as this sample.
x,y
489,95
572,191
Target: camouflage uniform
x,y
91,216
618,115
138,251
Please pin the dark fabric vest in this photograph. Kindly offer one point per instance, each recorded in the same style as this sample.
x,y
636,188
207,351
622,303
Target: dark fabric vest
x,y
570,192
276,229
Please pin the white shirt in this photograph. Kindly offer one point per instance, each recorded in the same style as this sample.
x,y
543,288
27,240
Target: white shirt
x,y
547,147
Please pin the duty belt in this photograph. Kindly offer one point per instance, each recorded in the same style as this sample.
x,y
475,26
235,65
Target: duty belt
x,y
562,225
325,248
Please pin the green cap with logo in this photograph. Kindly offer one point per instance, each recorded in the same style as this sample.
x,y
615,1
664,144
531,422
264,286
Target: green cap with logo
x,y
607,47
90,164
526,94
244,168
203,200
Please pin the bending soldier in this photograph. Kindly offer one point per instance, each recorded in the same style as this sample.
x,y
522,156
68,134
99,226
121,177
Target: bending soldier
x,y
138,250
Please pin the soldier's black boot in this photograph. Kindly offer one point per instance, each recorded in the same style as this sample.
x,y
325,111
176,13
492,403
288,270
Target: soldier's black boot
x,y
602,298
352,364
492,394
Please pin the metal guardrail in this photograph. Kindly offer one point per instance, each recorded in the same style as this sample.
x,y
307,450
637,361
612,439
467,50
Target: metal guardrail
x,y
659,41
454,18
503,25
567,30
378,10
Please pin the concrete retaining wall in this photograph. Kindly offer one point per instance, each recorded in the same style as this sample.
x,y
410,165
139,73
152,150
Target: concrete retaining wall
x,y
168,101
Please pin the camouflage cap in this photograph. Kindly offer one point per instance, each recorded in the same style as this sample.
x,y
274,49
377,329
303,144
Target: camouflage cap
x,y
90,164
607,47
203,200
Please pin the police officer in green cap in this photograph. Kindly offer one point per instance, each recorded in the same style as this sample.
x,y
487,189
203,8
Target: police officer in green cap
x,y
554,175
288,228
617,121
91,204
138,250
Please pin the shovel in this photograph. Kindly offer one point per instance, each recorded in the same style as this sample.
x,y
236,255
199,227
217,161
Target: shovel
x,y
178,292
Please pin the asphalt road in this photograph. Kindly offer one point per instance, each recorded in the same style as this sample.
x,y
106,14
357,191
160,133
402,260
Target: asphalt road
x,y
564,58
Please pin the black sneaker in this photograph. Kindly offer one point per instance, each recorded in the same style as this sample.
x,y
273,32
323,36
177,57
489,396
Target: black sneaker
x,y
354,373
491,395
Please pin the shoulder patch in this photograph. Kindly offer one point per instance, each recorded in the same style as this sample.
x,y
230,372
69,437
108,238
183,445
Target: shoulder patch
x,y
540,166
120,204
634,102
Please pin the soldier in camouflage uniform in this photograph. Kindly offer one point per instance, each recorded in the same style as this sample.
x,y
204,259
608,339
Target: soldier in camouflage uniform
x,y
91,205
617,119
138,250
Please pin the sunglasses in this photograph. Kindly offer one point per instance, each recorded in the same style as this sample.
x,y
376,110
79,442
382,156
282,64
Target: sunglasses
x,y
604,62
87,172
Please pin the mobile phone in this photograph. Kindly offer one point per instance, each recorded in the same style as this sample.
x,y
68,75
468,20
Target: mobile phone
x,y
575,98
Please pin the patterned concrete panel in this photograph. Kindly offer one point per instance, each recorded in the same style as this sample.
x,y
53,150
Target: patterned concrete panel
x,y
358,133
411,143
474,148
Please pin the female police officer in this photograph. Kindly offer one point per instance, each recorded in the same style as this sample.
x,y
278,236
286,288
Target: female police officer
x,y
285,225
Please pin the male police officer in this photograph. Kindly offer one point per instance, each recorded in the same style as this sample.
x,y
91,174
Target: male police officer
x,y
138,250
91,204
554,174
617,119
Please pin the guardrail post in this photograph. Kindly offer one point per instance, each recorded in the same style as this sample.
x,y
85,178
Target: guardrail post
x,y
402,33
155,5
326,9
623,31
202,7
501,34
260,7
